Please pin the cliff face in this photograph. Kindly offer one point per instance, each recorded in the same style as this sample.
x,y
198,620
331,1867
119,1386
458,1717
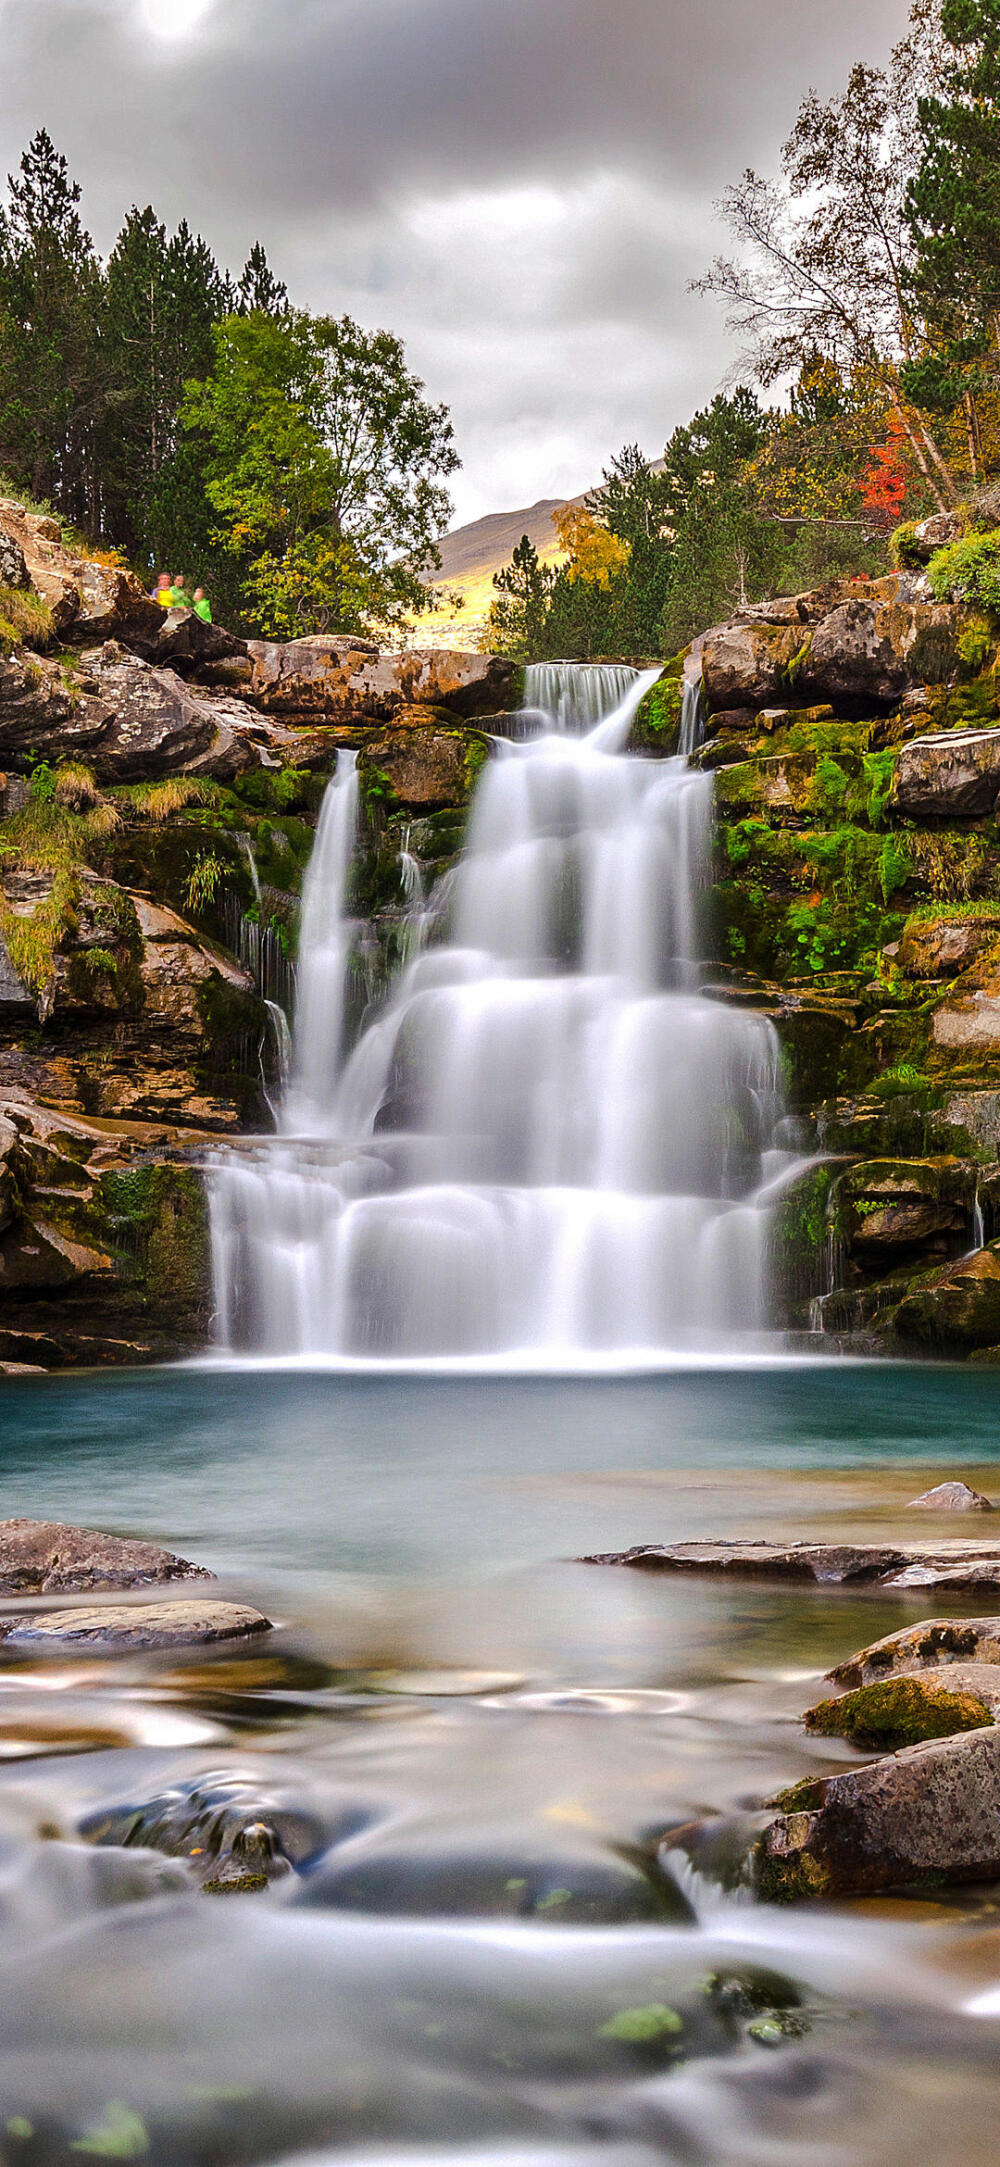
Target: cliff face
x,y
158,801
854,737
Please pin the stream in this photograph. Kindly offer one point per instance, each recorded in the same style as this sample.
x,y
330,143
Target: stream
x,y
487,1745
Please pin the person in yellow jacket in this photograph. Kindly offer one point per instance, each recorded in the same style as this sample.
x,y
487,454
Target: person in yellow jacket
x,y
164,591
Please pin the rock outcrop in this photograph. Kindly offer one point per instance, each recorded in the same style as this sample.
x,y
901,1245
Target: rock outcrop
x,y
927,1817
45,1557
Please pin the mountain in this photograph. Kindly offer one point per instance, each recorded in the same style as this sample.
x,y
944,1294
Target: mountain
x,y
469,558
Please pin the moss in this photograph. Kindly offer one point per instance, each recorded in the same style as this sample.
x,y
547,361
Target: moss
x,y
657,723
974,645
157,1229
905,552
804,1797
897,1712
642,2027
791,1879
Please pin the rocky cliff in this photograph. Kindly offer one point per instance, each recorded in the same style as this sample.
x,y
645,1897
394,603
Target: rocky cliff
x,y
158,798
854,738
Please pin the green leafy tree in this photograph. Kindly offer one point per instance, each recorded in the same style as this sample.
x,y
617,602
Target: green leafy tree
x,y
53,380
325,469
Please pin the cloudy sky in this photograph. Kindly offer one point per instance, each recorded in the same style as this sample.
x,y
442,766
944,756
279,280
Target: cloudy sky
x,y
522,188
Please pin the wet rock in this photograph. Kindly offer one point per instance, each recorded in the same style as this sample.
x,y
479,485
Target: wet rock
x,y
124,1628
941,947
236,1834
957,1309
888,1207
43,1557
971,1020
899,1711
951,1497
829,1564
937,1641
927,1817
747,665
423,768
832,1563
952,776
13,570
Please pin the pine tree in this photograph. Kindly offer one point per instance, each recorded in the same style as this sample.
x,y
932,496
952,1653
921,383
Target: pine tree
x,y
954,200
163,299
258,291
53,377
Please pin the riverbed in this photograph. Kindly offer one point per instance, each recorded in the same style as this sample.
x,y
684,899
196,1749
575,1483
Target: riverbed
x,y
486,1740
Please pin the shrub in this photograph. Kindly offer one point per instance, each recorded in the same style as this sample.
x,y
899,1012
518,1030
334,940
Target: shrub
x,y
968,571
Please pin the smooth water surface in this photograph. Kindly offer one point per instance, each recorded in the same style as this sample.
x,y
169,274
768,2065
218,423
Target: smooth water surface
x,y
487,1742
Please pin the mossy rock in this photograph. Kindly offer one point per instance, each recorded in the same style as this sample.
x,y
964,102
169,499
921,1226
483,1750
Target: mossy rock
x,y
657,723
155,1220
897,1712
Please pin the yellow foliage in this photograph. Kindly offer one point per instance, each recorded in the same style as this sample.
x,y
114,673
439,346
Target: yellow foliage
x,y
593,553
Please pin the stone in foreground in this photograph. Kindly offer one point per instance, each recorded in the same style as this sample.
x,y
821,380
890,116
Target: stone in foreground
x,y
42,1557
122,1627
928,1817
830,1564
951,1497
902,1710
944,1642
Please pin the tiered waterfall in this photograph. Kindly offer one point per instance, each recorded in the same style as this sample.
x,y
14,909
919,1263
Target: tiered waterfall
x,y
547,1141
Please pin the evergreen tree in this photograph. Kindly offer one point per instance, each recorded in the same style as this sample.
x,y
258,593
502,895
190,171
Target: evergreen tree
x,y
258,291
163,299
518,620
953,204
53,377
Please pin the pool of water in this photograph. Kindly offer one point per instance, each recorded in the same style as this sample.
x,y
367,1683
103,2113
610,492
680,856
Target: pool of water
x,y
488,1746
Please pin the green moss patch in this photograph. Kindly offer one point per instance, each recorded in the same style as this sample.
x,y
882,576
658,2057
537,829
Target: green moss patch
x,y
897,1712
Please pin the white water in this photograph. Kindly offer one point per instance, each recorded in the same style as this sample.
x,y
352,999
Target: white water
x,y
548,1141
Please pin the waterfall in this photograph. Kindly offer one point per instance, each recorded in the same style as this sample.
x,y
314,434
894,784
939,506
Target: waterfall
x,y
548,1142
324,957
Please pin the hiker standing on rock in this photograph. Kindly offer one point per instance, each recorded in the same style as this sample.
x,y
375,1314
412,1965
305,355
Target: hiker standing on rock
x,y
202,606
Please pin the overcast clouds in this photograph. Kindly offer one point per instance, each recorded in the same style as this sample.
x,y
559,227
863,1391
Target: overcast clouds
x,y
521,188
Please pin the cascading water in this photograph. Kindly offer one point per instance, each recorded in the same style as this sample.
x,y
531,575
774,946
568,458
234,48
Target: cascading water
x,y
548,1143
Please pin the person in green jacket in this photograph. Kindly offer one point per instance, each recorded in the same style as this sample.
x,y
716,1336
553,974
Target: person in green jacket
x,y
183,598
202,606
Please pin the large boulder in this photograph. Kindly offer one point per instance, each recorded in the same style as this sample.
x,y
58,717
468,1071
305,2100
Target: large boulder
x,y
185,643
88,599
940,946
946,777
40,713
349,680
924,1817
45,1557
423,768
940,1642
958,1309
854,643
157,725
900,1711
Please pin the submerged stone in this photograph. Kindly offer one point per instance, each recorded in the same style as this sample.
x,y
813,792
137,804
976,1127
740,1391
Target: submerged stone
x,y
235,1834
575,1887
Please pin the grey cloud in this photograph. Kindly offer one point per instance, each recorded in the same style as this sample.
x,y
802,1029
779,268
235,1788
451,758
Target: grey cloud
x,y
355,136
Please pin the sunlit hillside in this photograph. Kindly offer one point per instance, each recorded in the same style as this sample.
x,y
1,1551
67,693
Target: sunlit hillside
x,y
470,557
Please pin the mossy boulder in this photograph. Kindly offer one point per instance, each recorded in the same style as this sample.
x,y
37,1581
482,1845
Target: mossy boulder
x,y
924,1818
656,727
898,1712
956,1310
